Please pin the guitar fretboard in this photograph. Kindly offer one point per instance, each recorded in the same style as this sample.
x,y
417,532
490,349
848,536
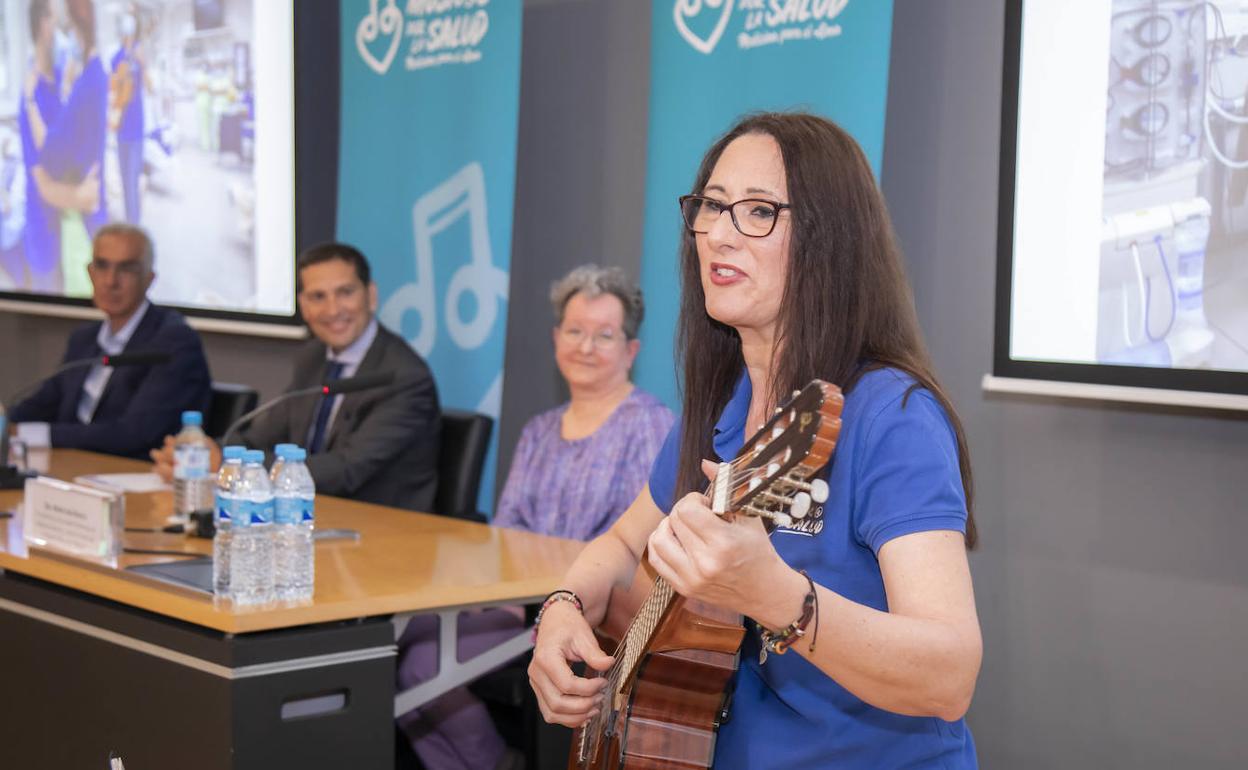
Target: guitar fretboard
x,y
637,640
627,656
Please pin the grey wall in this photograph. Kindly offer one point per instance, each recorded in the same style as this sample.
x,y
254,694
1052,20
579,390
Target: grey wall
x,y
580,178
1111,586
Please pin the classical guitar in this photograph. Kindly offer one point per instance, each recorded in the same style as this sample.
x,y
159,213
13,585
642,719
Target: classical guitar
x,y
666,693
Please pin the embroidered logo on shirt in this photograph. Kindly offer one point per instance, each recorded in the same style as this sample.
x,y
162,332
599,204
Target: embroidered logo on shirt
x,y
809,526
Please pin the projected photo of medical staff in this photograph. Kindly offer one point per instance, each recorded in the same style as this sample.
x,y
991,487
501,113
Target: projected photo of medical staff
x,y
142,111
1174,248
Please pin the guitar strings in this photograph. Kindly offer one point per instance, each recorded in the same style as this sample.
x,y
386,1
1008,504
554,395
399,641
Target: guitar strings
x,y
741,474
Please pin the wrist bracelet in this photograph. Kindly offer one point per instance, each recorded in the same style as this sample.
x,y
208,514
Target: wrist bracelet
x,y
780,641
560,595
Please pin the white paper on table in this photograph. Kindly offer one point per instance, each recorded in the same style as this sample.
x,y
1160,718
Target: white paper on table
x,y
126,482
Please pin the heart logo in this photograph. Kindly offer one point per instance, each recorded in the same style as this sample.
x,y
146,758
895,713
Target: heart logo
x,y
387,21
684,10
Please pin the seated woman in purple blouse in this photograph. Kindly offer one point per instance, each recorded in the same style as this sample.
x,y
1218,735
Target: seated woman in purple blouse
x,y
576,465
575,469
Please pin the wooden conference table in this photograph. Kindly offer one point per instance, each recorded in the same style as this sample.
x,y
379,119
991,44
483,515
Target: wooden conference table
x,y
97,659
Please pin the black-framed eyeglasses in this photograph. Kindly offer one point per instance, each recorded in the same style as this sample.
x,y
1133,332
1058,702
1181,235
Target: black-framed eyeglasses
x,y
755,217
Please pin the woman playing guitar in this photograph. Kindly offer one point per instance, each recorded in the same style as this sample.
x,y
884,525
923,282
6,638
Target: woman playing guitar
x,y
790,272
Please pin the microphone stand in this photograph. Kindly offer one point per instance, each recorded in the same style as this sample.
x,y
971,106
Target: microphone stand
x,y
333,388
266,406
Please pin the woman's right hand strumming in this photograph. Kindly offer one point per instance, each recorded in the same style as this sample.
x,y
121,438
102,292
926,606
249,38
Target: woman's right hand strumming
x,y
564,636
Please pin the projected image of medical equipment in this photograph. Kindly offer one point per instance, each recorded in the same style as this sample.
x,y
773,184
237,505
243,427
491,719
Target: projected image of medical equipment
x,y
175,115
1173,277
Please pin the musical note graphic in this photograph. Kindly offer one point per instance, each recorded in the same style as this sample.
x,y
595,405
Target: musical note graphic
x,y
461,196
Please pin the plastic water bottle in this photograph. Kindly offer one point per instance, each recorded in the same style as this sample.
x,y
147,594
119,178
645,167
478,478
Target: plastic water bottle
x,y
1190,238
226,510
251,546
294,494
192,478
1191,340
279,459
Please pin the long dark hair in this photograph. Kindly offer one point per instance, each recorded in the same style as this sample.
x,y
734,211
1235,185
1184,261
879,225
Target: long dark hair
x,y
847,307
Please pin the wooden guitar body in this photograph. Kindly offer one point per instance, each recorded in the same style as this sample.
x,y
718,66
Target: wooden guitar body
x,y
678,699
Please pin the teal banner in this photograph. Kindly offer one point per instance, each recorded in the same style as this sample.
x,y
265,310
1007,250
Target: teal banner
x,y
713,61
426,180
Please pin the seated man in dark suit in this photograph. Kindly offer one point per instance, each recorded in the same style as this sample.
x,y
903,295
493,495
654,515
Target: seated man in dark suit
x,y
379,445
128,409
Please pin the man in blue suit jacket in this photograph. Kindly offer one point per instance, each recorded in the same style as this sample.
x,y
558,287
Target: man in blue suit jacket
x,y
125,410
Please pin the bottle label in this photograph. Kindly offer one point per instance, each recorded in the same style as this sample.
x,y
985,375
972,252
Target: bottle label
x,y
293,510
190,462
287,510
227,509
258,512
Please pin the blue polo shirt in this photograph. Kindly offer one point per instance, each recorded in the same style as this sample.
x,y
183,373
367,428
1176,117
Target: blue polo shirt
x,y
894,472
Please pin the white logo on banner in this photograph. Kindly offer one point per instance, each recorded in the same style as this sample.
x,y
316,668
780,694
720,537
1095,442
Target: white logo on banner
x,y
439,32
764,22
460,196
688,9
388,21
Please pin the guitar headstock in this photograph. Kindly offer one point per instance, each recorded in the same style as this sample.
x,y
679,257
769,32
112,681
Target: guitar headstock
x,y
771,476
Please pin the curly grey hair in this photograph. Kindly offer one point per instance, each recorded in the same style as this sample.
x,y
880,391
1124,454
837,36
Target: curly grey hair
x,y
593,281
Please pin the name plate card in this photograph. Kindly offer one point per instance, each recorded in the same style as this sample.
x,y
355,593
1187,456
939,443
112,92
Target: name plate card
x,y
74,519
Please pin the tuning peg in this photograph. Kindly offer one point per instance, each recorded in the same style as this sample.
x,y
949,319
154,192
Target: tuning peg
x,y
797,393
819,490
800,506
777,498
782,519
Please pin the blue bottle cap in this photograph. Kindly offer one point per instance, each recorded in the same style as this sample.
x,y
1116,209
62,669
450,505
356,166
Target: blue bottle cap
x,y
253,456
192,418
233,452
297,454
283,450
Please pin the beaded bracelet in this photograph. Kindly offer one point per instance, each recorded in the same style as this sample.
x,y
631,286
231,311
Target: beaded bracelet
x,y
560,595
780,641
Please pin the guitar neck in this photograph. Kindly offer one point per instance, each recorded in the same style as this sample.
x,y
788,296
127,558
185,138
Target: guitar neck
x,y
637,639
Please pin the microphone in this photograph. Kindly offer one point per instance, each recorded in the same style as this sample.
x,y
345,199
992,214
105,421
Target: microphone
x,y
10,477
331,388
124,358
357,383
137,358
